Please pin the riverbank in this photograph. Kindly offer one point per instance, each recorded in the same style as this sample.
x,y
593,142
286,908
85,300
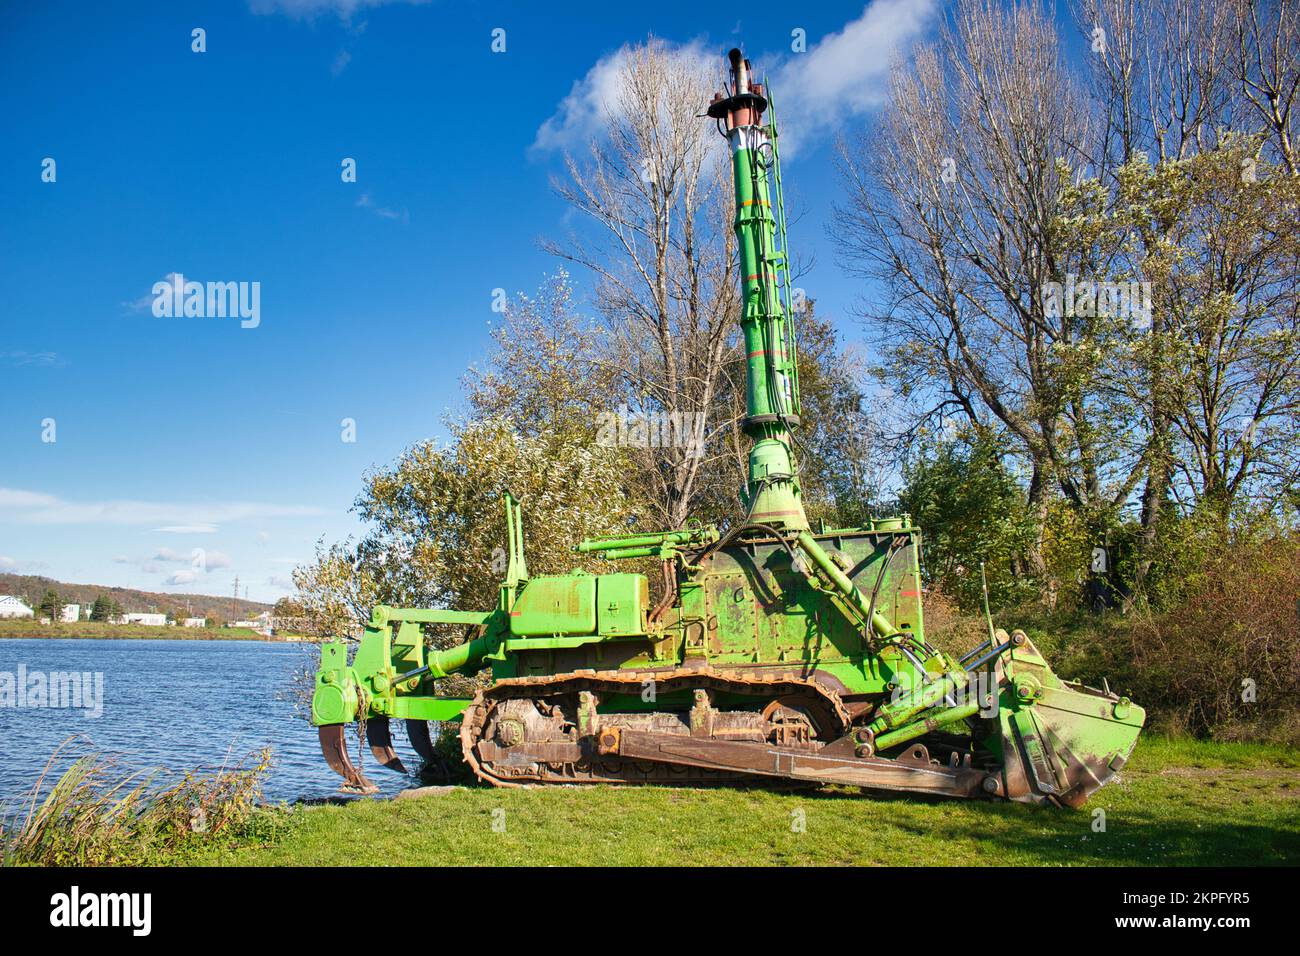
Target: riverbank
x,y
100,630
1179,803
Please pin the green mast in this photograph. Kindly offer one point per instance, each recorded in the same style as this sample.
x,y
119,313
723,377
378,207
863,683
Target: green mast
x,y
772,394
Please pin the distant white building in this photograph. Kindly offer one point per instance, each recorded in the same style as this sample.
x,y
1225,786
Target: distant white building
x,y
261,623
196,622
14,607
152,620
71,613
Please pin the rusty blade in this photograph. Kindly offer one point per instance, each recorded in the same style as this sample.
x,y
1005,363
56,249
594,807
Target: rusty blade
x,y
434,767
381,744
333,744
417,731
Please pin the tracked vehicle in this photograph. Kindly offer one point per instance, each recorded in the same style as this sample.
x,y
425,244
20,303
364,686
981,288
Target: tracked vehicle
x,y
777,653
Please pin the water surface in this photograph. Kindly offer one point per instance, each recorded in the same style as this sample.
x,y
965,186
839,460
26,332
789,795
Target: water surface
x,y
179,705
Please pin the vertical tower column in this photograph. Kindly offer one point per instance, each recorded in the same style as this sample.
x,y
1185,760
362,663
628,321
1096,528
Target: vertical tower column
x,y
772,391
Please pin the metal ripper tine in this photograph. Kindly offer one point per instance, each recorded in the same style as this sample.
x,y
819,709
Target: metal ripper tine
x,y
417,731
381,744
333,745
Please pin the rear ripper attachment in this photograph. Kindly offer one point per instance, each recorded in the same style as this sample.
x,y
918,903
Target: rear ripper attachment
x,y
777,654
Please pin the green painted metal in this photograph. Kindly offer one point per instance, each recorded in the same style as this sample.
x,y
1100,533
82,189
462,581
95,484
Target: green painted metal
x,y
922,727
560,606
772,405
863,606
694,537
623,601
766,598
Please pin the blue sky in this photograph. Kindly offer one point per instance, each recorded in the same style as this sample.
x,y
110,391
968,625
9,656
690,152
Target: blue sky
x,y
179,433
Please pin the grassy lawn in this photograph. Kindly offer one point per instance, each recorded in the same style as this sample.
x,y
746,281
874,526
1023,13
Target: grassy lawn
x,y
123,632
1178,803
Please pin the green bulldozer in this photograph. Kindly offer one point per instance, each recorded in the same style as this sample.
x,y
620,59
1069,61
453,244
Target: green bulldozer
x,y
776,653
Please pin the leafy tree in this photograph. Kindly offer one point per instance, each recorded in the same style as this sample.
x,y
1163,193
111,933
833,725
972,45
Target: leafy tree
x,y
51,606
543,372
999,171
437,536
287,607
102,609
845,456
971,510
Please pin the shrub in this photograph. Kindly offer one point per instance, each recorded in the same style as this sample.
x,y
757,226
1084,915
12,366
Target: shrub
x,y
947,628
1226,663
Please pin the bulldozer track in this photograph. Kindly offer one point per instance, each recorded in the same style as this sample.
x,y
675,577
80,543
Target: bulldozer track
x,y
574,758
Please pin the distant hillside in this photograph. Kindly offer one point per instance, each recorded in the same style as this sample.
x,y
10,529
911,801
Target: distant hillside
x,y
31,588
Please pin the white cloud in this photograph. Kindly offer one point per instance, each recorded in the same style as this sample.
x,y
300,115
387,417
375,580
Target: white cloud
x,y
40,359
582,113
212,560
401,215
145,302
842,76
845,74
310,9
182,577
7,563
37,508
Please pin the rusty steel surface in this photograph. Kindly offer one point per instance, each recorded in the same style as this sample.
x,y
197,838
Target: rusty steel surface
x,y
530,730
334,745
918,774
547,729
380,740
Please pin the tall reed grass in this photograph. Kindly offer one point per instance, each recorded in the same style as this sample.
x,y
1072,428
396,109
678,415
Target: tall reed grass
x,y
97,812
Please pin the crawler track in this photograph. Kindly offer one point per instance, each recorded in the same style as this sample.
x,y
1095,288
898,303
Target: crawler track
x,y
542,730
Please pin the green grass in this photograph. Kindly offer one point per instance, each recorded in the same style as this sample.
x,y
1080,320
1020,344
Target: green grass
x,y
31,629
1178,803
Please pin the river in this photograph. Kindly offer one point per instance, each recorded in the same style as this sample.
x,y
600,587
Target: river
x,y
173,705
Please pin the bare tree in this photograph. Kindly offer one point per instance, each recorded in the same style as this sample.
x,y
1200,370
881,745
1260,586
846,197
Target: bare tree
x,y
657,189
992,175
1197,94
1267,61
1161,81
954,202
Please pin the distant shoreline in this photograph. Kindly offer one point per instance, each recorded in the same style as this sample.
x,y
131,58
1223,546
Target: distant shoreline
x,y
98,630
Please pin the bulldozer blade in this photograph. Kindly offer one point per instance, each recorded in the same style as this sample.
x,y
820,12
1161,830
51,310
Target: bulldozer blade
x,y
333,744
1063,740
1067,746
417,731
381,744
914,772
